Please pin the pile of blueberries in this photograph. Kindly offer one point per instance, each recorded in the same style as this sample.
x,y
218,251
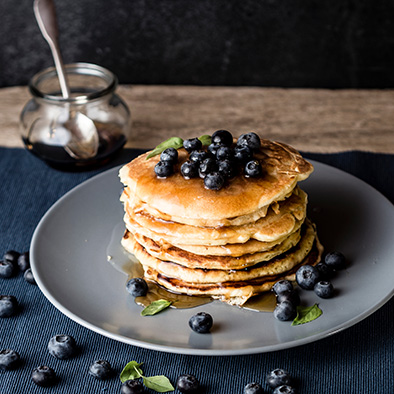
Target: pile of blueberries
x,y
308,277
278,379
221,161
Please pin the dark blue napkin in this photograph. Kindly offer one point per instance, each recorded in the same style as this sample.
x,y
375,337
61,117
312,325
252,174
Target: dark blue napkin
x,y
357,360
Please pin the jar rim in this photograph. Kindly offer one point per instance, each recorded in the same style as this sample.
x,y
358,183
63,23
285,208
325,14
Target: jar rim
x,y
88,69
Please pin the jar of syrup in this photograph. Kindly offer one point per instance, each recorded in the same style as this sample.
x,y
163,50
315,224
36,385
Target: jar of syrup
x,y
44,118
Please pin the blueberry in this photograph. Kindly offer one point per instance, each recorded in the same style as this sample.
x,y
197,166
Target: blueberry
x,y
100,369
164,169
335,260
253,169
43,376
252,140
189,169
284,389
253,388
281,286
192,144
224,153
28,276
243,154
285,311
131,386
307,276
289,295
62,346
198,155
12,256
187,384
324,289
201,322
228,168
7,269
170,155
24,261
325,272
8,305
9,359
212,149
278,377
137,287
222,137
214,181
206,166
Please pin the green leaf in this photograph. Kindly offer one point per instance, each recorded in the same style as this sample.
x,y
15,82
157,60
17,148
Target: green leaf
x,y
205,139
155,307
173,142
132,370
306,314
159,383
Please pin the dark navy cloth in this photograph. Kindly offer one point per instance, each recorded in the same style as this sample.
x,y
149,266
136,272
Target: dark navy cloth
x,y
357,360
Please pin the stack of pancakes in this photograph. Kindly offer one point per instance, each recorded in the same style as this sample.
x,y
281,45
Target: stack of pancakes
x,y
230,244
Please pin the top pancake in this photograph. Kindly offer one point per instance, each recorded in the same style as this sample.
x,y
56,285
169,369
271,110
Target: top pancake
x,y
175,196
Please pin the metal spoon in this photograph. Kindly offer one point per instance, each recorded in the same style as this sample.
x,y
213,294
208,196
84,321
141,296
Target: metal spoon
x,y
83,143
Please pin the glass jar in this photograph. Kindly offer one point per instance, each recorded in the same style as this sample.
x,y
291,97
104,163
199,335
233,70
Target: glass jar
x,y
44,127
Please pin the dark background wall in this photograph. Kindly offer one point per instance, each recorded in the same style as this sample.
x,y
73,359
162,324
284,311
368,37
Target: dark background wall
x,y
287,43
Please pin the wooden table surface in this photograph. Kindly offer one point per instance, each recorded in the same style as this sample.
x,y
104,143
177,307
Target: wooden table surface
x,y
310,120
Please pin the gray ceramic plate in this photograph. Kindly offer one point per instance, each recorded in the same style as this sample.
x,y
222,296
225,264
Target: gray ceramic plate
x,y
72,241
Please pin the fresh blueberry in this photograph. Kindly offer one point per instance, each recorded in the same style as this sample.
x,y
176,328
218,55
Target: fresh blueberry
x,y
170,155
198,155
243,154
137,287
43,376
8,305
24,261
212,149
253,388
132,386
307,276
281,286
28,276
9,359
214,181
285,389
285,311
278,377
189,169
253,169
62,347
324,289
201,322
207,166
222,137
187,384
164,169
192,144
335,260
228,168
224,153
289,295
252,140
12,256
7,269
100,369
325,272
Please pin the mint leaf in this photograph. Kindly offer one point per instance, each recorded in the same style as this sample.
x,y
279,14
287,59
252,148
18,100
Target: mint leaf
x,y
306,314
173,142
155,307
132,370
205,139
159,383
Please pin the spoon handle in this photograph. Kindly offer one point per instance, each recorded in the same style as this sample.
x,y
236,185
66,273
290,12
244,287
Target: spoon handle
x,y
45,13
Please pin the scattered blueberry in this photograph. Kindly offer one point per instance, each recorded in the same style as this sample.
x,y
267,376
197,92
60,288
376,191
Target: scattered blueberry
x,y
170,155
214,181
207,166
253,388
251,140
7,269
307,276
189,169
243,153
285,389
100,369
187,384
132,386
285,311
201,322
335,260
9,359
289,295
325,271
324,289
8,305
192,144
278,377
137,287
198,155
253,169
28,276
281,286
222,137
24,261
12,256
164,169
224,153
43,376
62,346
